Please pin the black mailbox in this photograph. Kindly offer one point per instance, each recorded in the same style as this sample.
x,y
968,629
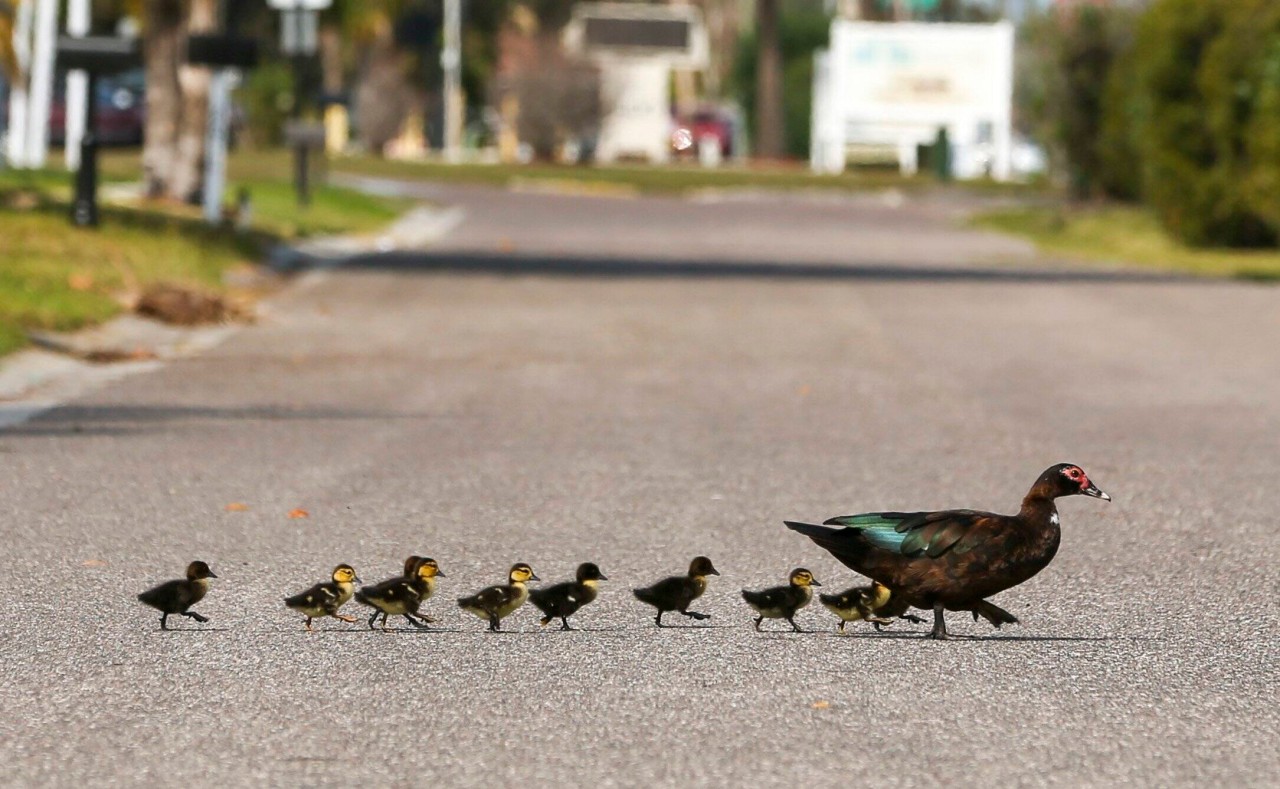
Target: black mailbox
x,y
97,56
222,51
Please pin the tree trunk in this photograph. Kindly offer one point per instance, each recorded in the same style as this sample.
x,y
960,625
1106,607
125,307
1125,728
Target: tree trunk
x,y
769,122
193,81
162,42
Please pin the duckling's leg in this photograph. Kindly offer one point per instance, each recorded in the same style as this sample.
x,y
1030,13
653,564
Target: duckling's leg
x,y
384,621
939,623
877,621
308,623
164,622
495,624
203,619
565,623
794,626
416,623
759,619
841,625
373,618
659,618
695,615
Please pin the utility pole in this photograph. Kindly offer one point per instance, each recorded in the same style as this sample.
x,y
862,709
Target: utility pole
x,y
451,63
41,96
769,121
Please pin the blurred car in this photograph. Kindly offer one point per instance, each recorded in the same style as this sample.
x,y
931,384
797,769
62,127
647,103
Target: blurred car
x,y
120,114
706,124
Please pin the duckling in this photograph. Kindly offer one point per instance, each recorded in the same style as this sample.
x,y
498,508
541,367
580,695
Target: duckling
x,y
494,603
874,604
782,602
325,599
176,596
678,592
404,594
564,599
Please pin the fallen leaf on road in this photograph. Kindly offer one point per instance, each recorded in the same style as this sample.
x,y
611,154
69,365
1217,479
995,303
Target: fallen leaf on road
x,y
236,506
821,705
299,513
93,563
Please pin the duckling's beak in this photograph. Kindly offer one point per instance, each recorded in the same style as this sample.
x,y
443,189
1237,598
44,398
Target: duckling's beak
x,y
439,573
534,577
357,578
602,577
714,571
1095,492
814,582
212,574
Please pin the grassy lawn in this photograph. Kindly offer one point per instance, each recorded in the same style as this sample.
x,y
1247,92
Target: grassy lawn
x,y
55,276
1126,234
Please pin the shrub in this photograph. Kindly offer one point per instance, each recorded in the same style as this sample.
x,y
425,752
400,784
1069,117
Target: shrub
x,y
1202,71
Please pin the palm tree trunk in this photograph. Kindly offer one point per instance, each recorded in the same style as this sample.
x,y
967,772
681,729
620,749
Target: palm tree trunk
x,y
193,81
161,43
769,123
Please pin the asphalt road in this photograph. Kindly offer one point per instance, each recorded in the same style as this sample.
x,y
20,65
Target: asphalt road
x,y
634,382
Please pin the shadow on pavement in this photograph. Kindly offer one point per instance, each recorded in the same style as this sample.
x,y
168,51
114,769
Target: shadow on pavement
x,y
657,268
112,420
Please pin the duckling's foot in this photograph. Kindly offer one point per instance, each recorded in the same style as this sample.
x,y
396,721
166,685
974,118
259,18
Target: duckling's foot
x,y
695,615
374,618
426,619
841,628
912,618
164,625
658,619
759,619
195,616
564,623
794,626
413,621
343,617
495,624
308,624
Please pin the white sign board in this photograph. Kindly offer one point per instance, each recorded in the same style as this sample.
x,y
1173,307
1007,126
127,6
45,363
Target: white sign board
x,y
896,85
299,5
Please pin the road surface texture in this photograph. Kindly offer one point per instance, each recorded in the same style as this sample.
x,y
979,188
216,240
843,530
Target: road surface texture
x,y
634,382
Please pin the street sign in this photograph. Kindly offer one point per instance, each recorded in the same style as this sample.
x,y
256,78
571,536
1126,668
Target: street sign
x,y
299,5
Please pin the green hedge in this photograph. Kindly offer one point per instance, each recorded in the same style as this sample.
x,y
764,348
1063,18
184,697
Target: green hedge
x,y
1177,105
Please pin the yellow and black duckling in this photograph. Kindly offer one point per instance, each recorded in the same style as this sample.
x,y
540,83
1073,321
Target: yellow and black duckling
x,y
678,592
782,602
563,600
325,599
874,604
496,602
176,596
403,595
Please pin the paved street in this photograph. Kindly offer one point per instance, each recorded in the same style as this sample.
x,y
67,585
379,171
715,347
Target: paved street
x,y
634,382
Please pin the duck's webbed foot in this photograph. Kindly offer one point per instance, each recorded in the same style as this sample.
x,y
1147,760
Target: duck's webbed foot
x,y
695,615
994,614
195,616
912,618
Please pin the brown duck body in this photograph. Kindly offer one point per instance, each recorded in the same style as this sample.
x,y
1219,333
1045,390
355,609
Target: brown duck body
x,y
954,559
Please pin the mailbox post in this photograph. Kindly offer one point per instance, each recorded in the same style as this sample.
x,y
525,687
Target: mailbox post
x,y
298,25
97,56
226,54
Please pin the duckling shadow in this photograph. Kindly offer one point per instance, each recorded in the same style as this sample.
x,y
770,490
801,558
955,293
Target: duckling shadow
x,y
194,630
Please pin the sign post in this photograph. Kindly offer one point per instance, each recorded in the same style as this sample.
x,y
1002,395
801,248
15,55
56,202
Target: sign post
x,y
298,39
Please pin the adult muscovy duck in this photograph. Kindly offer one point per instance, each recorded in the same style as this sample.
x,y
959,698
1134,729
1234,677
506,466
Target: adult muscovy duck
x,y
952,560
